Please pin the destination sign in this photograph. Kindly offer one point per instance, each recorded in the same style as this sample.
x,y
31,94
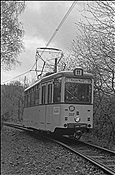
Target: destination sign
x,y
74,80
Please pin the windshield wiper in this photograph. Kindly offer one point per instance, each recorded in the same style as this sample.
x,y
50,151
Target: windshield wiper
x,y
72,95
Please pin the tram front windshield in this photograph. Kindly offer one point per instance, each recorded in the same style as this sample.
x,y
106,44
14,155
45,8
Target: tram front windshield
x,y
77,92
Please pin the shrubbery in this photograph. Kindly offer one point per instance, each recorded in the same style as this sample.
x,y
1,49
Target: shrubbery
x,y
12,102
104,118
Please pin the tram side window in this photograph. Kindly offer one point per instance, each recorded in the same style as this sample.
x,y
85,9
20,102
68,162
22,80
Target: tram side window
x,y
32,97
37,96
25,100
28,97
43,94
49,93
57,91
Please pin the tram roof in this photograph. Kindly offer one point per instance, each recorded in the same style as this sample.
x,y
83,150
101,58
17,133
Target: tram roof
x,y
68,74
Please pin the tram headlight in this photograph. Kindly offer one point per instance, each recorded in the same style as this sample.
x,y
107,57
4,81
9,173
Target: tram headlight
x,y
77,119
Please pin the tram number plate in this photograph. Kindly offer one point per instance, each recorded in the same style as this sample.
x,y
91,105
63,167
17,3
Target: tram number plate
x,y
71,114
84,126
80,126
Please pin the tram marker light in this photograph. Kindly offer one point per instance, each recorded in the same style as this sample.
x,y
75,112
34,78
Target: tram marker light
x,y
65,125
66,118
89,126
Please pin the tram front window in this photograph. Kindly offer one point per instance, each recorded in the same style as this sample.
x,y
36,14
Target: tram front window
x,y
77,93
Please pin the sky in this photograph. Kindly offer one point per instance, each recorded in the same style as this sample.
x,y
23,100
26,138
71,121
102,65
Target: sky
x,y
40,19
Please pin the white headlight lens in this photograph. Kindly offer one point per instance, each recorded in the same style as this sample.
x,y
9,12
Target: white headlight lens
x,y
77,119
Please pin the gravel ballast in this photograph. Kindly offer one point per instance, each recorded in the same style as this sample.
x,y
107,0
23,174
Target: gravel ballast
x,y
22,154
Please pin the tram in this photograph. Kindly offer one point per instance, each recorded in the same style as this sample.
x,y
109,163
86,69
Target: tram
x,y
60,103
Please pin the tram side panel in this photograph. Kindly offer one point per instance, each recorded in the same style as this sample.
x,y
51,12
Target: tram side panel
x,y
35,117
30,117
41,117
52,117
49,117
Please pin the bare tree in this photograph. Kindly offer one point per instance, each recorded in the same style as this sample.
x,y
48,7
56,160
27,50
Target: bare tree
x,y
94,50
11,32
94,47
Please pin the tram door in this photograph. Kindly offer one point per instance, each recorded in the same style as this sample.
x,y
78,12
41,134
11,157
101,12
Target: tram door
x,y
49,99
42,109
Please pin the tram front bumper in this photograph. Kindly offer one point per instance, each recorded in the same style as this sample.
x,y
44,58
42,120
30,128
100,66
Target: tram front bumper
x,y
76,125
79,126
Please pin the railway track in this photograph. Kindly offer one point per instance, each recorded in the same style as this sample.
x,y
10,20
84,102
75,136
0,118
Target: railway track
x,y
17,126
98,156
101,157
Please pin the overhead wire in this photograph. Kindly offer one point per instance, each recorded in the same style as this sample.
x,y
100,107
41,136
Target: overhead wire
x,y
55,32
59,26
17,76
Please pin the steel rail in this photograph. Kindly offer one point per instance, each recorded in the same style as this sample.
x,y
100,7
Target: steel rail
x,y
92,145
98,164
99,147
17,126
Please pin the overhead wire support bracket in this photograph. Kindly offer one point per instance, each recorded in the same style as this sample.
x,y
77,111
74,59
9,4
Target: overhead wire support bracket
x,y
60,24
56,30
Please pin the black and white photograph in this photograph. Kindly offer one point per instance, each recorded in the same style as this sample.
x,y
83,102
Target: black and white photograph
x,y
57,87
